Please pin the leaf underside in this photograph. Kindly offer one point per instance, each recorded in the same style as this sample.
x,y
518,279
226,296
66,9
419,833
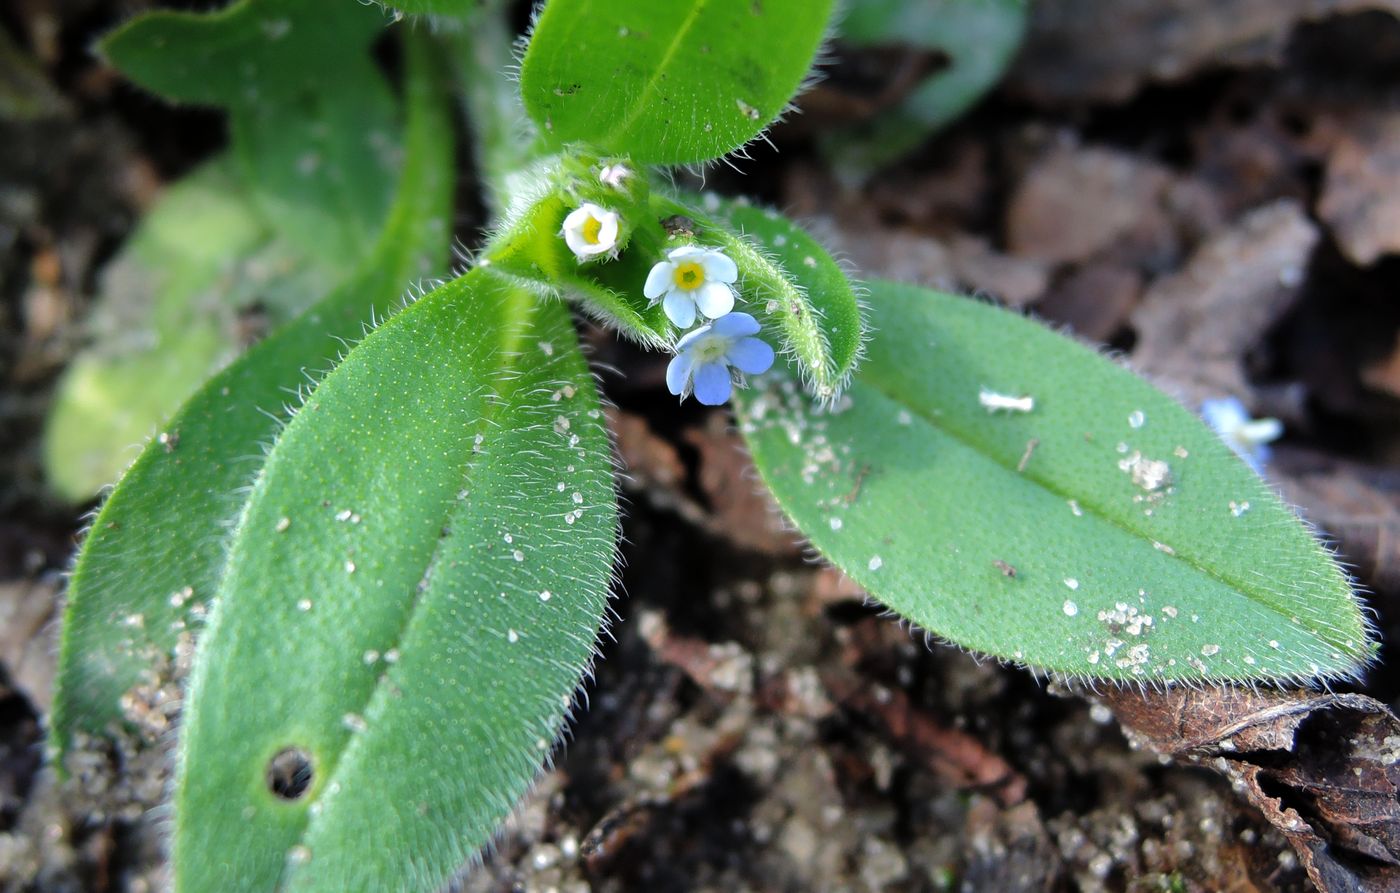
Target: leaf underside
x,y
1105,533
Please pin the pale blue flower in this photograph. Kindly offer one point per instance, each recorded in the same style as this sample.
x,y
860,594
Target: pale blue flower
x,y
704,357
1246,436
692,278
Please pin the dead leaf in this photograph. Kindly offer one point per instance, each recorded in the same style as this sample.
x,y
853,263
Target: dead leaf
x,y
1195,326
1094,300
1323,768
1361,197
1105,50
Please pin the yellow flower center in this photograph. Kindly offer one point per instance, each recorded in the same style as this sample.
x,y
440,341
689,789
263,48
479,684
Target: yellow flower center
x,y
689,275
591,227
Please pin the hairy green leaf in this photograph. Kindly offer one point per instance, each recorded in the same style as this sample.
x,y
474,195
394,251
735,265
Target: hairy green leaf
x,y
1096,528
317,149
789,282
156,550
201,276
427,553
668,83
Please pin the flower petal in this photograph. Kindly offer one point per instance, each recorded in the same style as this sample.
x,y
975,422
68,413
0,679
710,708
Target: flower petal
x,y
712,385
577,217
714,299
718,267
750,355
692,337
678,373
685,252
736,325
680,307
658,280
607,231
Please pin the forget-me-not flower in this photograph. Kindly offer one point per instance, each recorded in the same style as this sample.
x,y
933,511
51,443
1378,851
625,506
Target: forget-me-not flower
x,y
704,357
1246,436
692,278
590,230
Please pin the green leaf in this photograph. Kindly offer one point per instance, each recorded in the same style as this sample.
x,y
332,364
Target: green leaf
x,y
979,40
413,593
531,250
1104,533
156,551
175,305
668,83
267,62
789,283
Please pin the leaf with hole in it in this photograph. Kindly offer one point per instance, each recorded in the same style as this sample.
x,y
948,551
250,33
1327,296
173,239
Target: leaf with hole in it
x,y
317,151
156,549
202,275
443,505
1010,490
803,299
978,40
668,83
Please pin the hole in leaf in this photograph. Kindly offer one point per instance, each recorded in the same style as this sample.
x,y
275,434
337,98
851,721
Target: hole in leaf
x,y
289,773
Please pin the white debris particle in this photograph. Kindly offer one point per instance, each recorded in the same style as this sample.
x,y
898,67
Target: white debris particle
x,y
836,523
1135,656
904,417
810,261
1273,643
1094,657
876,563
478,441
1070,608
343,515
1210,650
1149,474
1238,508
1163,547
1170,611
180,596
1071,582
561,424
560,487
299,854
354,722
1136,419
349,567
1075,509
1122,447
134,621
1100,714
512,636
545,595
1180,452
282,524
391,656
304,605
508,538
518,555
547,348
994,401
578,498
370,657
1249,659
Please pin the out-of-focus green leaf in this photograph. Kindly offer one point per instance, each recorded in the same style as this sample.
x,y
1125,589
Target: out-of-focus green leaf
x,y
156,551
312,119
1096,529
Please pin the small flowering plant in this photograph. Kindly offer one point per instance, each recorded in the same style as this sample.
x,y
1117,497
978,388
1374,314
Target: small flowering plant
x,y
371,610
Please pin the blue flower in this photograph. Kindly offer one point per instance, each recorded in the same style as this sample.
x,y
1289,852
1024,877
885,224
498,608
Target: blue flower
x,y
1246,436
693,279
704,356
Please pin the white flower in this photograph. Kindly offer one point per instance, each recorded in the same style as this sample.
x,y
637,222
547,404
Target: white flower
x,y
590,231
704,357
613,175
693,278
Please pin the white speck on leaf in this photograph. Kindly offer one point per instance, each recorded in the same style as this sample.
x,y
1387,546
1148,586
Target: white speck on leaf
x,y
994,402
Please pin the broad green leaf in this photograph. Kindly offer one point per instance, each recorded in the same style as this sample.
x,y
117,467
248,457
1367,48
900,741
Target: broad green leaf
x,y
413,593
1104,533
789,282
297,79
199,277
668,83
979,40
156,551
